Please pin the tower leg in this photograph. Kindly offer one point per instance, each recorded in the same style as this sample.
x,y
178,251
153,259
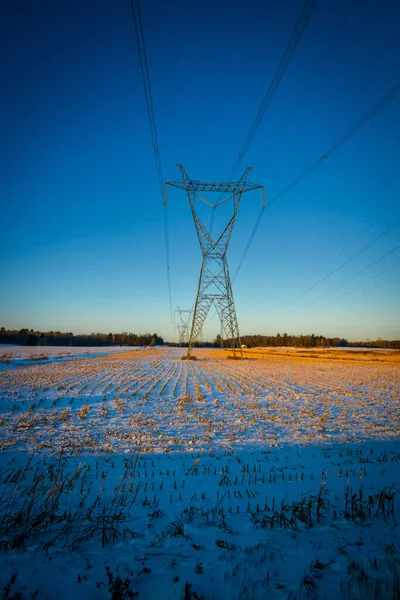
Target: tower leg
x,y
201,310
215,286
225,306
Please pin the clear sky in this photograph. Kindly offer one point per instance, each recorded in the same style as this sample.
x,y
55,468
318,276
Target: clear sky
x,y
82,244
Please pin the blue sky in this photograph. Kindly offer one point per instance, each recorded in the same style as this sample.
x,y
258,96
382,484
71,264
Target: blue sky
x,y
82,246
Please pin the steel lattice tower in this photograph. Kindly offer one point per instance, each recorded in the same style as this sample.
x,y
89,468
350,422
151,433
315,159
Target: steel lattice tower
x,y
183,328
214,283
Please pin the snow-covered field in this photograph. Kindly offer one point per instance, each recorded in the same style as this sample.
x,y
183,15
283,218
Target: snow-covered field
x,y
10,352
142,473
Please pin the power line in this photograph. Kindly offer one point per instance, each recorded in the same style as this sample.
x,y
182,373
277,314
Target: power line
x,y
330,261
348,279
390,95
141,46
361,284
377,107
358,237
368,281
294,41
253,233
357,286
375,262
144,68
346,262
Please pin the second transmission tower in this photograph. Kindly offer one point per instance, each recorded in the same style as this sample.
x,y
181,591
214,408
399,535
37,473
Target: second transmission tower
x,y
183,327
214,283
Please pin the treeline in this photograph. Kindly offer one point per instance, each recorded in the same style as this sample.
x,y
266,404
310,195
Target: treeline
x,y
312,341
29,337
389,344
296,341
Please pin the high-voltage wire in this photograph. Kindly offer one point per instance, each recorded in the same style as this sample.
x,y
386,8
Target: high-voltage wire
x,y
340,285
375,262
346,262
144,68
388,97
253,233
363,283
367,281
346,247
358,237
141,46
294,40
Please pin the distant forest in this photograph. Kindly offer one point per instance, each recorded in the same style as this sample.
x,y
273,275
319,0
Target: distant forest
x,y
299,341
29,337
313,341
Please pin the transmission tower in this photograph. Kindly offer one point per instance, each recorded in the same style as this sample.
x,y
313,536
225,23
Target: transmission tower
x,y
214,283
183,328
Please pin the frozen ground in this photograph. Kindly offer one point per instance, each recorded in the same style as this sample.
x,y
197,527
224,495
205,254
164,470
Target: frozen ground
x,y
17,356
11,352
143,473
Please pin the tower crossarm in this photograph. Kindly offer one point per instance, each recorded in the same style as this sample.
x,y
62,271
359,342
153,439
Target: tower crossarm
x,y
214,186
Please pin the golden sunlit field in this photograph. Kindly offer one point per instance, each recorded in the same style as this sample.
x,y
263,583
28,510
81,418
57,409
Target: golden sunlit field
x,y
159,402
381,356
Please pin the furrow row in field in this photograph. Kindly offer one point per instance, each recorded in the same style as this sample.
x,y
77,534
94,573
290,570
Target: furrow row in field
x,y
163,403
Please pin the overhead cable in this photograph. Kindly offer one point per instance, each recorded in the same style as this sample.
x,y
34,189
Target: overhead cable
x,y
360,285
353,276
346,262
141,46
294,41
367,281
346,247
253,233
388,97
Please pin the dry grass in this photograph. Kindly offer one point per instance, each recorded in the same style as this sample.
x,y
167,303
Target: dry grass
x,y
381,356
154,400
374,356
